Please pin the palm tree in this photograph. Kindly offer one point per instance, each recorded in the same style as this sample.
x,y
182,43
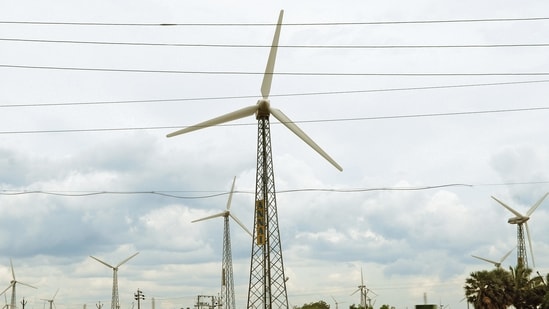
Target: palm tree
x,y
527,293
489,289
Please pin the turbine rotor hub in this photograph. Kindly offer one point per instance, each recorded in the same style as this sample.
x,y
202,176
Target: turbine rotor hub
x,y
263,109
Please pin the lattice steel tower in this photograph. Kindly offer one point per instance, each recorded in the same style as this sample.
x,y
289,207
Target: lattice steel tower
x,y
267,289
115,300
227,281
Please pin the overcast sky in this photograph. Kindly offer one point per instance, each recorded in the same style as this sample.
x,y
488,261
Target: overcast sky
x,y
427,119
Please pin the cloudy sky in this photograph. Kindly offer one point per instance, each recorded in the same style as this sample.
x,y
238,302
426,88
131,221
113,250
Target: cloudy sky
x,y
430,107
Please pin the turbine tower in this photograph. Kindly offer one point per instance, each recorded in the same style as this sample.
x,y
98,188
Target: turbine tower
x,y
115,302
522,221
227,282
498,263
12,285
51,300
267,285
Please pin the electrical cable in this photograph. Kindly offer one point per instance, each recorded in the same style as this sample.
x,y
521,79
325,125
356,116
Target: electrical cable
x,y
510,45
171,194
528,109
275,95
394,22
274,73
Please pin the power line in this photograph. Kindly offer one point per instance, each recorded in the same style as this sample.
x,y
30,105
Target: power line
x,y
393,22
275,95
274,73
528,109
510,45
177,193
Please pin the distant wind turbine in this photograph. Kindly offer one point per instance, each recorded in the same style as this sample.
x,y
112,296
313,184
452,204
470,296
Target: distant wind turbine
x,y
115,302
51,300
363,291
497,264
12,285
227,282
336,302
522,221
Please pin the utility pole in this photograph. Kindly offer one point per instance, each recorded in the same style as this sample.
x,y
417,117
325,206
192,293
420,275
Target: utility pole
x,y
23,302
139,297
99,305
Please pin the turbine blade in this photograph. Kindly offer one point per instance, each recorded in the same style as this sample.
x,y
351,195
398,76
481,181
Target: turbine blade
x,y
530,243
486,260
119,264
221,214
531,210
240,223
4,291
506,255
268,76
26,284
278,114
55,294
355,292
516,213
361,277
12,271
108,265
231,195
243,112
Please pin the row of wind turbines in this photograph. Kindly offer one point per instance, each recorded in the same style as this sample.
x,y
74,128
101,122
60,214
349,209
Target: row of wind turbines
x,y
521,220
12,286
115,302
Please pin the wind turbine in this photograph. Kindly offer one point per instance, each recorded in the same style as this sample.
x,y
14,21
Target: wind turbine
x,y
363,291
267,286
336,302
12,285
227,282
51,300
497,264
115,302
522,220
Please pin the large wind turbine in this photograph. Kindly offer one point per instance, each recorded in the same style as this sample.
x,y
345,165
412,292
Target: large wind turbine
x,y
267,286
498,263
227,282
12,285
522,220
115,302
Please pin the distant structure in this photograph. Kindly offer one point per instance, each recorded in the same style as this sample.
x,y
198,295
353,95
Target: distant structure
x,y
12,285
206,302
522,221
364,299
498,263
51,300
227,300
115,302
425,305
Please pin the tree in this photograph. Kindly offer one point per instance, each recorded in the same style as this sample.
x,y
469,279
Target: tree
x,y
527,293
316,305
489,289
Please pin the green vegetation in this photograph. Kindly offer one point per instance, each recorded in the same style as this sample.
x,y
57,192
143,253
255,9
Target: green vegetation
x,y
499,289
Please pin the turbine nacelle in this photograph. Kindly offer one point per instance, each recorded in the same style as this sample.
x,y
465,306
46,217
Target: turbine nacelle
x,y
263,109
518,220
